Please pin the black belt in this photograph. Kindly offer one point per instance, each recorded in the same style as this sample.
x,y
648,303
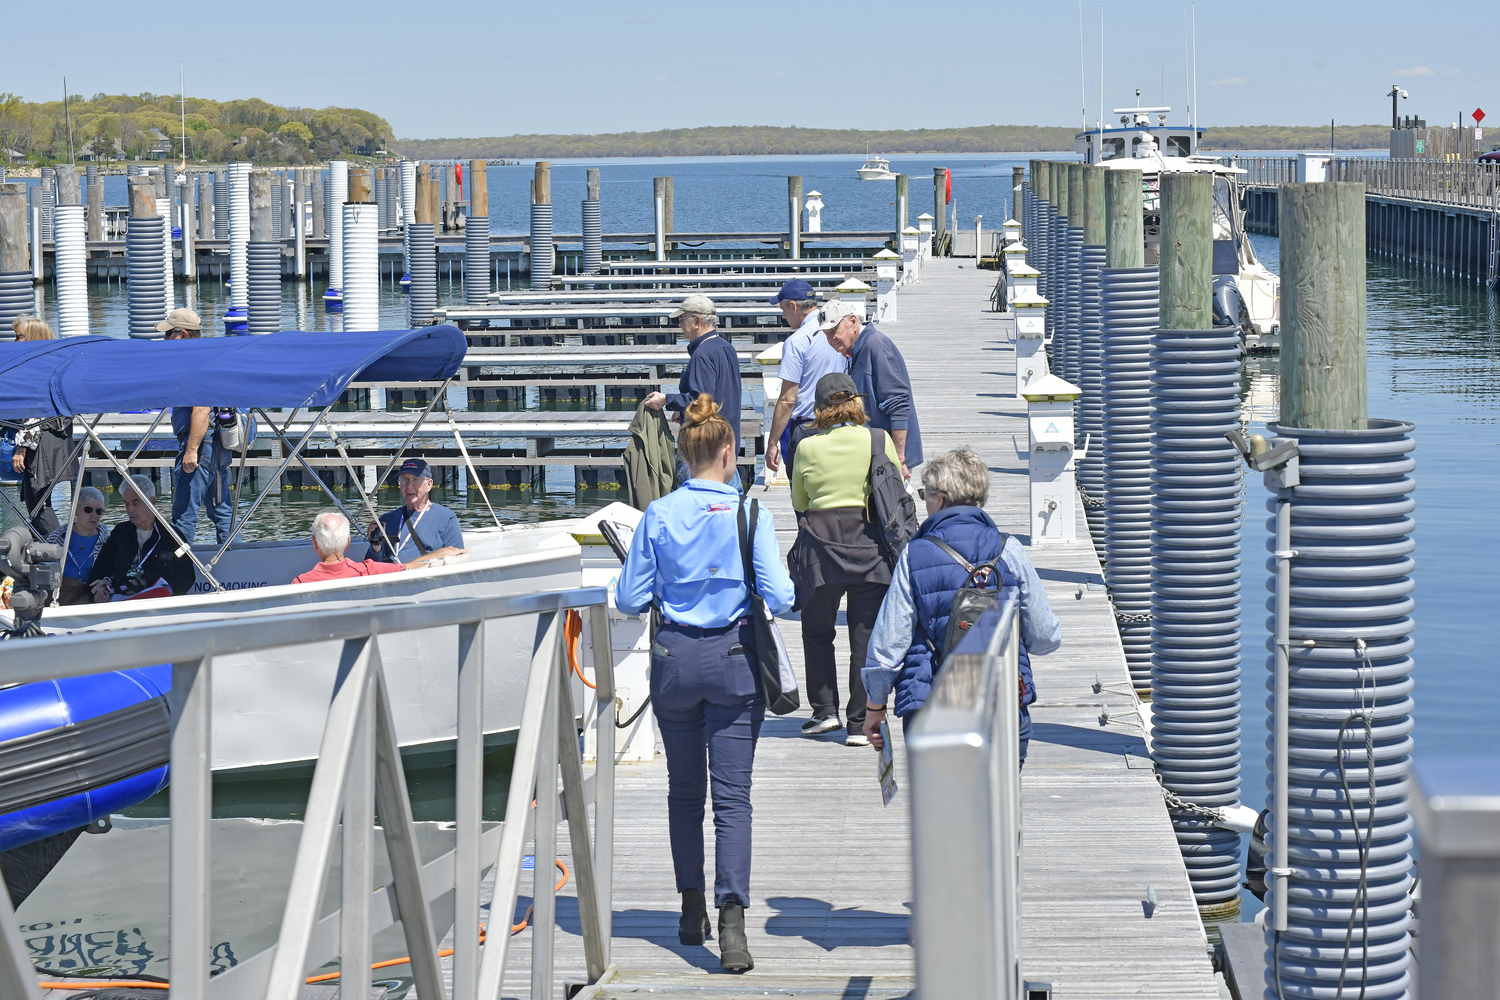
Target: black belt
x,y
698,631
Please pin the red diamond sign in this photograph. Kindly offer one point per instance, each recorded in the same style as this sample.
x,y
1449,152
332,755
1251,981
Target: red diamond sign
x,y
1478,115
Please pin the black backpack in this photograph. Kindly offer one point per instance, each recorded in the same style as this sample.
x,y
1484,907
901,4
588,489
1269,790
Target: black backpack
x,y
891,509
970,602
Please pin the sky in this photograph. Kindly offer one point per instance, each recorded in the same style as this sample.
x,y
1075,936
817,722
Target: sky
x,y
463,69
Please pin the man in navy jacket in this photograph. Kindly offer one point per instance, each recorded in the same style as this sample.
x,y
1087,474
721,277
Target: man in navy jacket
x,y
713,367
879,372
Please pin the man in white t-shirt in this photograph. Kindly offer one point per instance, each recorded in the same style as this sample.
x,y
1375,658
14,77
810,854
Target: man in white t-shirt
x,y
806,356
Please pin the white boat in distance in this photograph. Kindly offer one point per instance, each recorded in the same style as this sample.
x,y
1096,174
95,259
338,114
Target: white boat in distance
x,y
876,168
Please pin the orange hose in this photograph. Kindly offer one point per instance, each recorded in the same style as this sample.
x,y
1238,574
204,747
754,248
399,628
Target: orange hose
x,y
573,633
136,984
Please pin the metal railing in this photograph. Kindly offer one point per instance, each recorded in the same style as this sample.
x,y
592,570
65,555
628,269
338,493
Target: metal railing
x,y
1466,183
1263,171
966,818
359,768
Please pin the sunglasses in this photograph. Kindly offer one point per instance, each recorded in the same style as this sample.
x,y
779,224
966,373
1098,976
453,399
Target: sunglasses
x,y
91,510
922,492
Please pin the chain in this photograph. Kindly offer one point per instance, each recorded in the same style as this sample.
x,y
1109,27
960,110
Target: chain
x,y
1180,805
1125,619
1088,501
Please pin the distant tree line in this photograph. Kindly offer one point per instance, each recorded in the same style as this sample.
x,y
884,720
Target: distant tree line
x,y
119,127
749,140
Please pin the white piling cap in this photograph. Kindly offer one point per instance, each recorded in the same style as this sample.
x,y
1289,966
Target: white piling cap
x,y
1051,388
885,254
852,285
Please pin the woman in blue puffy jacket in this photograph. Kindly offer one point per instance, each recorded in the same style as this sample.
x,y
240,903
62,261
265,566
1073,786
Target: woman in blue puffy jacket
x,y
902,660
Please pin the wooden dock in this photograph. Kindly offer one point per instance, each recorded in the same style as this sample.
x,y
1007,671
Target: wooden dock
x,y
831,879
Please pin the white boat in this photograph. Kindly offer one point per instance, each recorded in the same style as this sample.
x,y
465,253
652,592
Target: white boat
x,y
876,168
1247,294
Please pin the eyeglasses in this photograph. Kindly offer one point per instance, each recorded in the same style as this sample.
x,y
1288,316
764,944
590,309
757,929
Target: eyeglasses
x,y
922,492
91,510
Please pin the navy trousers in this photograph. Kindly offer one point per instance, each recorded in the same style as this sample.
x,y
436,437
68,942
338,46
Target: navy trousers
x,y
709,709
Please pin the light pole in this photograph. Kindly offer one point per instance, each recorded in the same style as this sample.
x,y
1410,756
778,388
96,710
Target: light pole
x,y
1395,94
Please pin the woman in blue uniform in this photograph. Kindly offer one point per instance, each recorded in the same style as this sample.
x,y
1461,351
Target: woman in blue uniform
x,y
685,558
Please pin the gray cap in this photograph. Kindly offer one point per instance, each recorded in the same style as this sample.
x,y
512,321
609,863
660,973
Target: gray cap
x,y
695,305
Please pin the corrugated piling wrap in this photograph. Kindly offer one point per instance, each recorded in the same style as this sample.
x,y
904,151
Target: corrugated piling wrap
x,y
542,260
361,229
15,258
1195,565
263,256
70,256
1090,426
593,239
421,252
143,261
1071,205
1128,320
477,236
1341,727
338,193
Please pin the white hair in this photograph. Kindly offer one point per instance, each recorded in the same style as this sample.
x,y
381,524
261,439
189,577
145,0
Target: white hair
x,y
960,475
141,486
330,531
90,493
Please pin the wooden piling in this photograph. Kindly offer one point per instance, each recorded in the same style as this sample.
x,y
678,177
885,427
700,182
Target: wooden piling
x,y
903,198
1060,193
479,188
96,210
794,216
320,230
1077,206
541,183
1094,229
69,190
142,198
1323,359
423,207
260,208
592,184
669,208
1187,251
939,204
360,186
1017,179
15,252
435,196
1124,222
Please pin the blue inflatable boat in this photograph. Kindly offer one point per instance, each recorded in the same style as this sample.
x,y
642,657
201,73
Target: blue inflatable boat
x,y
74,750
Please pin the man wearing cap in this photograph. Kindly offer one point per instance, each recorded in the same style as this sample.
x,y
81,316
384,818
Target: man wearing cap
x,y
713,367
879,372
806,356
201,474
418,527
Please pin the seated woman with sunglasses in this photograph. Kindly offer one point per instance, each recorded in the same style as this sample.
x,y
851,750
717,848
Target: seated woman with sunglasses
x,y
87,539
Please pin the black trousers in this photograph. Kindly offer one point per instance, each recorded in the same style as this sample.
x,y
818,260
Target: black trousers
x,y
819,619
45,519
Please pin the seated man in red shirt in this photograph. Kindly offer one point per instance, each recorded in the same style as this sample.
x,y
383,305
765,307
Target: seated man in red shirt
x,y
330,534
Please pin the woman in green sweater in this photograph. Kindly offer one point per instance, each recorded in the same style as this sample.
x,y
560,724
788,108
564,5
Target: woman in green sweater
x,y
838,551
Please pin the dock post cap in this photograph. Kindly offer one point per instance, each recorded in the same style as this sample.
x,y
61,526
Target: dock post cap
x,y
886,254
852,285
1051,388
911,230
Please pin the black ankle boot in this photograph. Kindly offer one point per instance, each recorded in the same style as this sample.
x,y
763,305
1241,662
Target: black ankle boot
x,y
693,927
734,950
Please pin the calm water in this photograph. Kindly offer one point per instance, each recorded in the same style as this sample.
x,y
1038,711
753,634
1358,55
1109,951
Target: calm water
x,y
1434,357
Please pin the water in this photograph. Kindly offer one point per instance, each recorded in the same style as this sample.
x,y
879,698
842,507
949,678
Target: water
x,y
1434,359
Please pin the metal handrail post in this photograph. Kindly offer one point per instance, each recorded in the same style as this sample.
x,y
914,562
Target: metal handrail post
x,y
576,809
604,770
544,842
357,849
191,812
17,978
469,814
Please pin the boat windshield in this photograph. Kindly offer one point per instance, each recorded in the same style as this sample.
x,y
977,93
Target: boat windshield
x,y
1223,208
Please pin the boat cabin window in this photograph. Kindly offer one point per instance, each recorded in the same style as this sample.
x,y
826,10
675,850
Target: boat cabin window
x,y
1178,145
1223,209
1110,148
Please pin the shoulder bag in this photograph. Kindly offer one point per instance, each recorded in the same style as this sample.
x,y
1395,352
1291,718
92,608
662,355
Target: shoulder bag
x,y
777,678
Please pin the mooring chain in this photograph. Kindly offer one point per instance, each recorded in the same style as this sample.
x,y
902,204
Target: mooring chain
x,y
1180,805
1088,501
1128,619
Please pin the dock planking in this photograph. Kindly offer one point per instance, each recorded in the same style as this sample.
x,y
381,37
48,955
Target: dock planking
x,y
831,878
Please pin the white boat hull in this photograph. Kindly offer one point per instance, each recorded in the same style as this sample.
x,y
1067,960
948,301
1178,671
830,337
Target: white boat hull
x,y
269,708
876,175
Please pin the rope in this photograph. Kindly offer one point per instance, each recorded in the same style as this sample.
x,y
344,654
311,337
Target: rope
x,y
158,984
573,634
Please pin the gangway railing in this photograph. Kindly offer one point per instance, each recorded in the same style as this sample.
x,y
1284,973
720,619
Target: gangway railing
x,y
359,768
964,753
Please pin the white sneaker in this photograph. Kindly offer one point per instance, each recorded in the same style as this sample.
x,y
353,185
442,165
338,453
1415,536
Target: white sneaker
x,y
856,740
820,724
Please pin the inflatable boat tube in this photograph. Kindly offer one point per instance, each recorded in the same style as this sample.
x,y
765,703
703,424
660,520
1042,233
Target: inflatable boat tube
x,y
74,750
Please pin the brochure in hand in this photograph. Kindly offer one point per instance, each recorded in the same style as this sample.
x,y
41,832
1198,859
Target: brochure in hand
x,y
886,766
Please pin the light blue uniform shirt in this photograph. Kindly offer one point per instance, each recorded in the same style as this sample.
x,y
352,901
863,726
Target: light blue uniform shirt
x,y
807,356
686,556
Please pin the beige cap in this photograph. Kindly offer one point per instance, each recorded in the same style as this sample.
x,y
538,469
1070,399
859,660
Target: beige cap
x,y
696,305
180,319
834,312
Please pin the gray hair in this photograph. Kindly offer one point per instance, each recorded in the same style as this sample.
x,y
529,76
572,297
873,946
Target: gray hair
x,y
960,476
90,493
141,486
330,531
808,304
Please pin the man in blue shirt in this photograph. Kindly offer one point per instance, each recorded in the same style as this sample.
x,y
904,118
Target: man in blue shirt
x,y
419,526
806,356
713,367
201,476
879,372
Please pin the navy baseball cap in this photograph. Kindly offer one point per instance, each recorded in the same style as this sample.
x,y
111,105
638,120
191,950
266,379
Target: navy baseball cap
x,y
415,467
795,290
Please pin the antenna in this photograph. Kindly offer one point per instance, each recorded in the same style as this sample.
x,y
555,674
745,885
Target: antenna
x,y
1194,115
182,98
1100,151
1083,87
1187,70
